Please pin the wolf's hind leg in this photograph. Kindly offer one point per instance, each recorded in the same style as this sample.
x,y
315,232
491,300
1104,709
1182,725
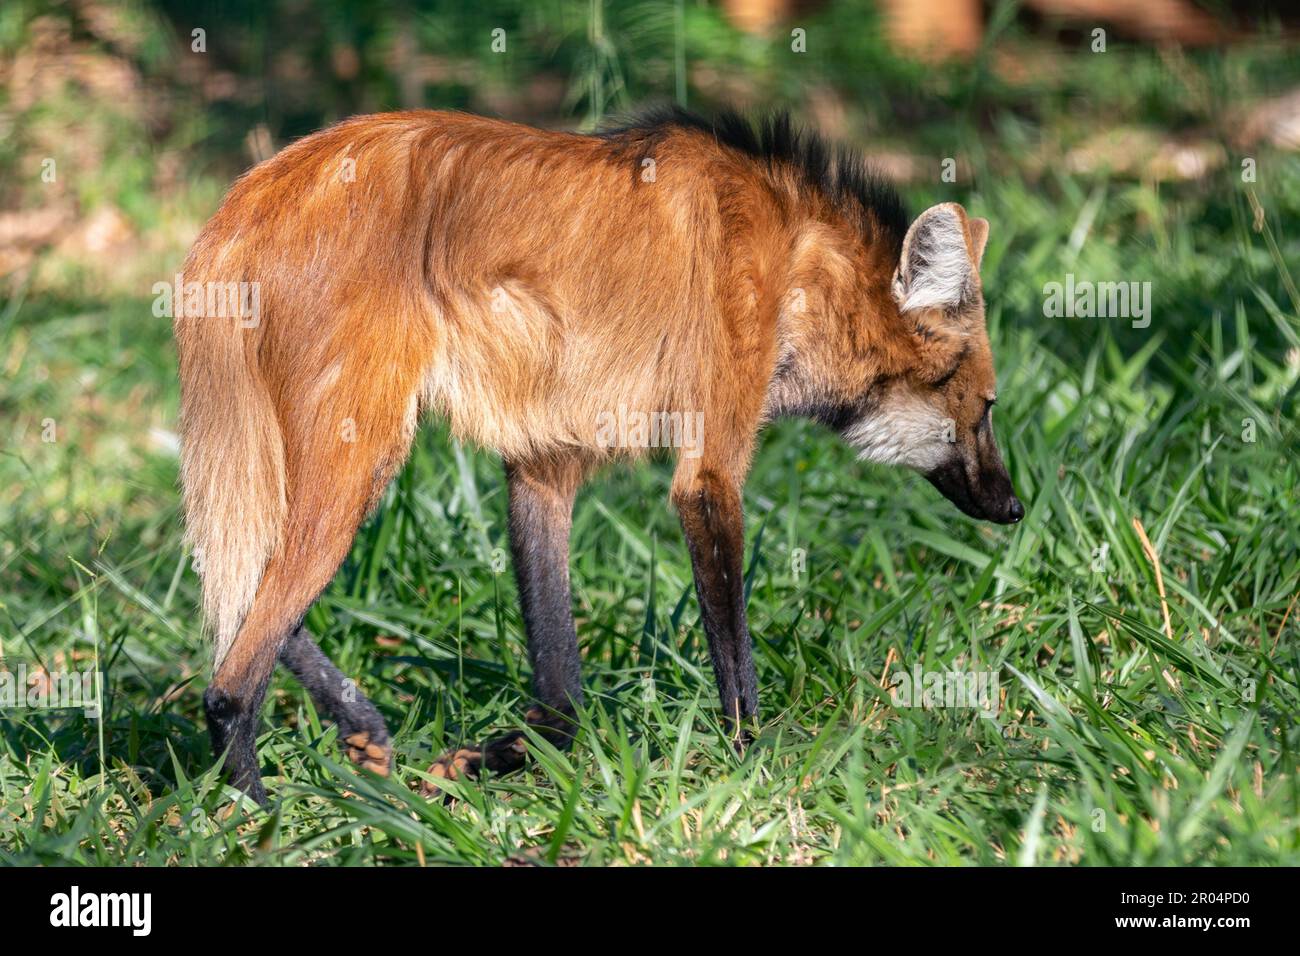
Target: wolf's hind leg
x,y
361,727
342,443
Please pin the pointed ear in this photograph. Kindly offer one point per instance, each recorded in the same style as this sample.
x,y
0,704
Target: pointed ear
x,y
979,237
937,267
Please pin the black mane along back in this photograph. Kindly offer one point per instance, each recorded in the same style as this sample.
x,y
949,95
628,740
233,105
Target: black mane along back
x,y
837,173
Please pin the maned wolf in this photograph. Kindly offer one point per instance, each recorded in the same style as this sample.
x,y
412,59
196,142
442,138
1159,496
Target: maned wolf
x,y
526,286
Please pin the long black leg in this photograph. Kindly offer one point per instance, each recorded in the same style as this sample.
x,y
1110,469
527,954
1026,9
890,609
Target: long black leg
x,y
233,716
541,510
713,521
361,726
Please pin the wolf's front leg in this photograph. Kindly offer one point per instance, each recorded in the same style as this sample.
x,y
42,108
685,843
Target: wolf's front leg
x,y
710,508
541,509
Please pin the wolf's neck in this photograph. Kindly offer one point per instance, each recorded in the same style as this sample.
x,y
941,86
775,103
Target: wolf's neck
x,y
838,330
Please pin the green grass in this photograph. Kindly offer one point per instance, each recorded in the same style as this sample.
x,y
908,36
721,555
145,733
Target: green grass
x,y
1118,740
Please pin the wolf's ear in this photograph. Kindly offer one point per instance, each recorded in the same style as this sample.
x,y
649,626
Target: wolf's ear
x,y
979,237
941,254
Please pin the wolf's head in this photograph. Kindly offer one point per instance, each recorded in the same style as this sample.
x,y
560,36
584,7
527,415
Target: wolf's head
x,y
937,417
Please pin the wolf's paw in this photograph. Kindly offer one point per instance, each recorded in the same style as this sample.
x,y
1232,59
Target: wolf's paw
x,y
370,751
462,764
499,756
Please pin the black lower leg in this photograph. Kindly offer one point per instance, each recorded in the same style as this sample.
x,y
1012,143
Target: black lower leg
x,y
541,502
712,520
540,519
232,725
333,693
361,726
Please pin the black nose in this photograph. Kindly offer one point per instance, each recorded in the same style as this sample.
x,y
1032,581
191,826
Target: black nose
x,y
1015,510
